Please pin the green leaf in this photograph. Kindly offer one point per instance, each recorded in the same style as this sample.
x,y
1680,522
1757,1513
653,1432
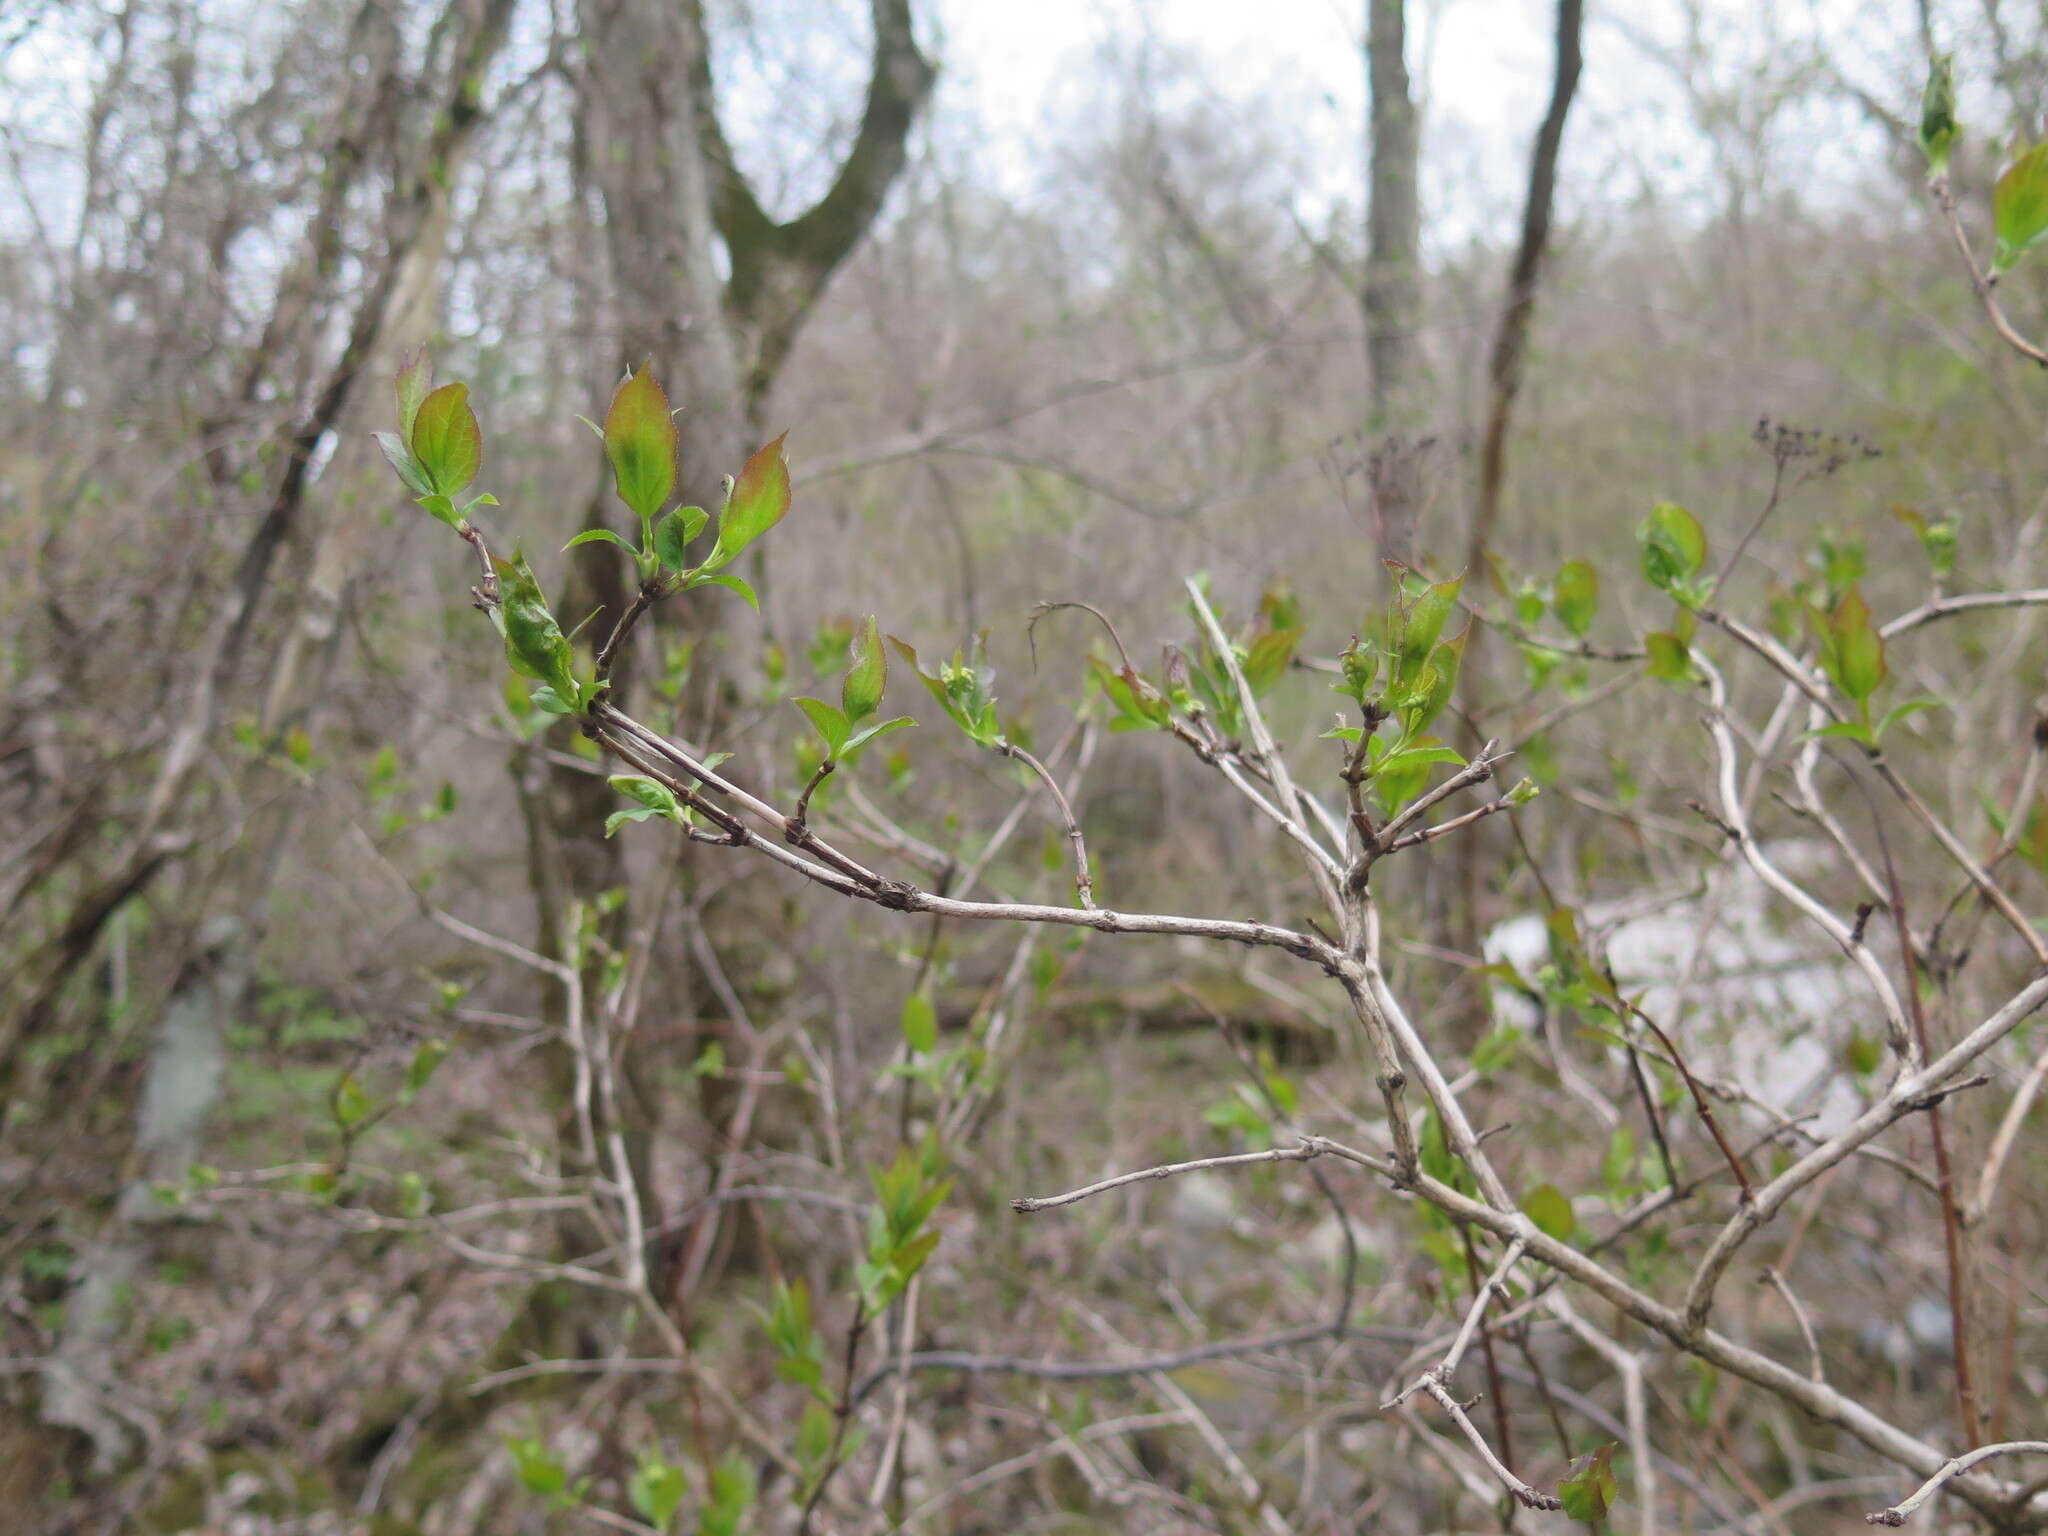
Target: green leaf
x,y
1847,730
442,509
1673,547
1699,1398
1547,1206
731,584
539,1472
1266,663
1139,706
408,467
1418,757
1938,128
861,694
1423,621
640,441
868,733
1436,1157
830,724
1399,776
911,1256
1588,1490
546,698
1502,1045
599,536
426,1060
920,1023
651,794
2019,207
446,439
1575,596
759,499
1670,660
674,532
415,380
534,642
656,1489
1938,543
1361,664
1440,678
731,1496
1904,711
1854,654
352,1105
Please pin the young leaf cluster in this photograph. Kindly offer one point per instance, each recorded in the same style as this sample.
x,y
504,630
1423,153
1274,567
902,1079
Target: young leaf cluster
x,y
964,689
845,729
1400,671
1851,653
907,1192
438,450
2019,197
640,441
438,446
1588,1489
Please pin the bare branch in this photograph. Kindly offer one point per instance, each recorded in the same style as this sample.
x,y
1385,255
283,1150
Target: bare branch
x,y
1896,1515
1084,884
1771,1277
1025,1204
1526,1495
1983,282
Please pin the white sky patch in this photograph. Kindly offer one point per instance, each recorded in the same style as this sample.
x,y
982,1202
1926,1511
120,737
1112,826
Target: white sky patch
x,y
1482,71
1020,81
1482,68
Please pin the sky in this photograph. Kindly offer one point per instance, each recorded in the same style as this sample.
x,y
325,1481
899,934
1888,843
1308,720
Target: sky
x,y
1484,64
1482,70
1018,79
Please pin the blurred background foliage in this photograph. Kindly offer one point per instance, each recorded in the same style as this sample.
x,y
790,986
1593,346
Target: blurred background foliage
x,y
249,724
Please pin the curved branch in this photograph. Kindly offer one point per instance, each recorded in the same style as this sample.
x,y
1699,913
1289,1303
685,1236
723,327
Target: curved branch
x,y
1896,1515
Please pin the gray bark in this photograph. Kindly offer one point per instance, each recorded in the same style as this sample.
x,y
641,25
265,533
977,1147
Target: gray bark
x,y
1393,264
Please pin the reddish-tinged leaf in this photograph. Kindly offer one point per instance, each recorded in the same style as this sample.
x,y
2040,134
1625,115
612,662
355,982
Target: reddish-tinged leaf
x,y
1856,646
759,499
640,441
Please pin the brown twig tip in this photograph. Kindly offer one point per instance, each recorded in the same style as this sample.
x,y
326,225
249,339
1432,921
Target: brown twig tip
x,y
1047,606
1700,809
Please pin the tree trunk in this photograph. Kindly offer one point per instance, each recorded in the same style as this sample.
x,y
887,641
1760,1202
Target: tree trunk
x,y
1504,381
712,291
1510,341
1393,263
